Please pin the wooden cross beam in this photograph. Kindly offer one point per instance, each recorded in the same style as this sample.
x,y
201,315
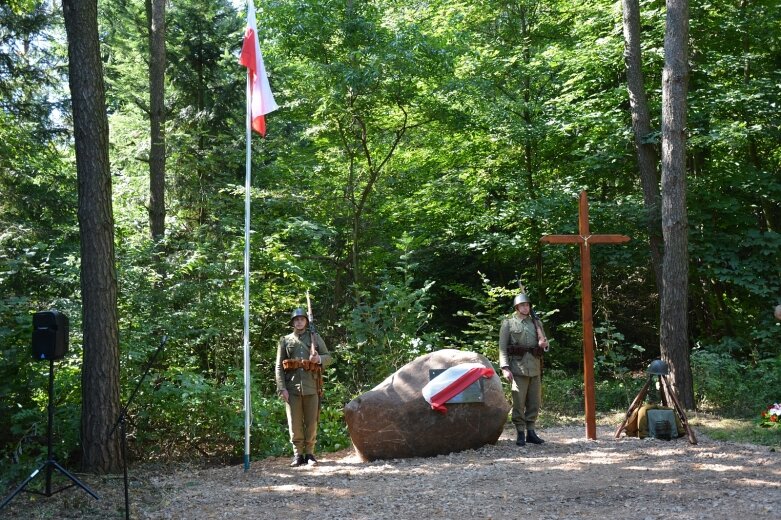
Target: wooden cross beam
x,y
585,239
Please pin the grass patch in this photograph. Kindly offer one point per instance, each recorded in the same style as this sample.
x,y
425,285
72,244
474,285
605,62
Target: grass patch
x,y
736,430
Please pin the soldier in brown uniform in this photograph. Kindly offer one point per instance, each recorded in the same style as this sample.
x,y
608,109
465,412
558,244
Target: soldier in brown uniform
x,y
522,342
298,374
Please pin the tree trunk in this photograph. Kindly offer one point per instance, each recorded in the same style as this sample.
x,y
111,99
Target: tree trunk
x,y
641,124
155,10
674,326
100,369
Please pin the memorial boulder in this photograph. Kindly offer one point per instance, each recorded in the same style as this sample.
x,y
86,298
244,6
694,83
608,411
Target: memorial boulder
x,y
394,420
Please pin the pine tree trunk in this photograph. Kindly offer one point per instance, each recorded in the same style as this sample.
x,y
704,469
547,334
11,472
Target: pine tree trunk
x,y
100,369
156,25
674,304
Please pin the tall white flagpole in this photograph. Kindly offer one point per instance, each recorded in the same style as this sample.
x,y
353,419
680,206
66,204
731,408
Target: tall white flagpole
x,y
247,182
260,101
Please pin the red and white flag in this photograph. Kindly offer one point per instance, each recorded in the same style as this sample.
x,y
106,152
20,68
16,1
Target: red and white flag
x,y
260,100
452,382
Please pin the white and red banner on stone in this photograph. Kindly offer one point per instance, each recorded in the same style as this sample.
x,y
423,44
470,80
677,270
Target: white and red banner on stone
x,y
452,382
259,96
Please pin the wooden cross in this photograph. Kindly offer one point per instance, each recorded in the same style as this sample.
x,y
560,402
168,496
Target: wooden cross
x,y
585,239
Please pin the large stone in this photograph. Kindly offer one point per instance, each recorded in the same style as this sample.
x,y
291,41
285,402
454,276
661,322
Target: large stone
x,y
393,420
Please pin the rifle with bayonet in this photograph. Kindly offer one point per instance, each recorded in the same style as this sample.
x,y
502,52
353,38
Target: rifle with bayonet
x,y
318,371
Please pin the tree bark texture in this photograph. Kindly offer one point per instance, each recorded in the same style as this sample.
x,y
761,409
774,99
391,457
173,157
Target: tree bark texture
x,y
641,124
673,338
157,58
100,370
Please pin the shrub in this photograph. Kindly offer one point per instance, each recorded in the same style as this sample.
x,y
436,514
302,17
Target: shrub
x,y
726,386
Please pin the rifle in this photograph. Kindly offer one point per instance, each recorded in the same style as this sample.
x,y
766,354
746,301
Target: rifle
x,y
523,290
535,318
318,372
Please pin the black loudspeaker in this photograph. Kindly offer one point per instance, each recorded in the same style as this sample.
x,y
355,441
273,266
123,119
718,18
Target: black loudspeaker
x,y
50,335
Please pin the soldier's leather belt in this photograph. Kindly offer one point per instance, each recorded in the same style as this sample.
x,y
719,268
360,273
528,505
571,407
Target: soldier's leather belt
x,y
295,364
517,350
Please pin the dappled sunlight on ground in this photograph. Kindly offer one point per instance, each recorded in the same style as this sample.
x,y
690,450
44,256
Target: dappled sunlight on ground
x,y
567,477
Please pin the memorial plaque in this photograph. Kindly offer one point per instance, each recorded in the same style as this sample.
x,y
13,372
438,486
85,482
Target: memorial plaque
x,y
471,394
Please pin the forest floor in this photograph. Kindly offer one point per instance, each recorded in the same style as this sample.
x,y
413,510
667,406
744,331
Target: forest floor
x,y
567,477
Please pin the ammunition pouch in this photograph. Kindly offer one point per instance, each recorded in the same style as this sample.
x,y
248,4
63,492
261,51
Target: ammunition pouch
x,y
295,364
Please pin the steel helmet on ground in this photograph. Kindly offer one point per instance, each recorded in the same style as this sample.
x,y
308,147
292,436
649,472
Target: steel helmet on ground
x,y
298,312
658,368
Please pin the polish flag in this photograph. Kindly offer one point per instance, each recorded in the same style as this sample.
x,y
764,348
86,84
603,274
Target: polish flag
x,y
452,382
259,96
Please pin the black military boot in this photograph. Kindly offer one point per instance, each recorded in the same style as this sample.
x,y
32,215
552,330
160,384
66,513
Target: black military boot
x,y
532,437
298,460
521,440
310,459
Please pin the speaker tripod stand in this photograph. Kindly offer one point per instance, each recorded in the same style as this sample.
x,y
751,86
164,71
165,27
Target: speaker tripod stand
x,y
50,465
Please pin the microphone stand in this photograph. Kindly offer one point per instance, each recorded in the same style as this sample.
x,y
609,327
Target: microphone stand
x,y
122,419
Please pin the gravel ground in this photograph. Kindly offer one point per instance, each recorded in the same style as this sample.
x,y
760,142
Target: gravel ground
x,y
567,477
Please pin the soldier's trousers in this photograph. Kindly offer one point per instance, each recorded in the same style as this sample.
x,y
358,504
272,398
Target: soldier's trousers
x,y
527,395
302,422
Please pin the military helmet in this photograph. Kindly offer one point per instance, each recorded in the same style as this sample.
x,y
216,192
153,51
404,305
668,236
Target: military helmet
x,y
521,298
658,368
298,312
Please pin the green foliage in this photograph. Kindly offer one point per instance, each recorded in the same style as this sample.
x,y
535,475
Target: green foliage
x,y
481,333
184,415
332,433
38,248
386,329
416,145
563,394
180,413
617,394
613,355
727,386
24,411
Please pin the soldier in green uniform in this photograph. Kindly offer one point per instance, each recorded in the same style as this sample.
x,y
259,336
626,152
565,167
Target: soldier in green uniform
x,y
298,374
522,343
